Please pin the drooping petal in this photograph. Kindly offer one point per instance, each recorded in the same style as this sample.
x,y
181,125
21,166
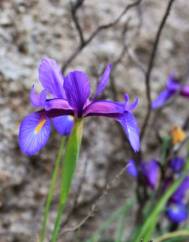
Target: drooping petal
x,y
104,79
177,212
129,124
38,99
51,77
77,89
163,97
177,164
131,168
103,108
151,171
34,132
63,124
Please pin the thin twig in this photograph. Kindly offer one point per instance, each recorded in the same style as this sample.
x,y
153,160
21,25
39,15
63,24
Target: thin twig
x,y
151,65
74,8
84,43
107,188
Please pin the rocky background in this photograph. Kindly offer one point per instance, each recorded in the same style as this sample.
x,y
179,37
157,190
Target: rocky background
x,y
30,30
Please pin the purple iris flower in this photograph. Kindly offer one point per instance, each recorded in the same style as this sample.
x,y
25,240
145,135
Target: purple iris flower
x,y
171,88
177,164
150,170
181,191
177,212
64,99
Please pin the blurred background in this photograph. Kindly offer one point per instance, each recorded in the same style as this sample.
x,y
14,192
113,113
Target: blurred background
x,y
30,30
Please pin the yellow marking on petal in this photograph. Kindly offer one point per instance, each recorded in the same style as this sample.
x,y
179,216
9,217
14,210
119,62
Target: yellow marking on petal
x,y
177,135
40,126
71,118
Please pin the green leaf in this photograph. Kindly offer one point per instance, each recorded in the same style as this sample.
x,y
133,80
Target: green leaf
x,y
51,190
147,229
70,159
173,235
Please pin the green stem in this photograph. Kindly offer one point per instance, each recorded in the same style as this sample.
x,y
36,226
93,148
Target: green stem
x,y
51,190
177,234
71,156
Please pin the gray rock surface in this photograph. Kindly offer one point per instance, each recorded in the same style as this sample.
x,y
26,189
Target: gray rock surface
x,y
32,29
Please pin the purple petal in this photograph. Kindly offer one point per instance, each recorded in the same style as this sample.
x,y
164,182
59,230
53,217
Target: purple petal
x,y
77,90
51,78
63,124
38,99
173,84
151,171
177,213
133,105
177,164
104,108
185,91
34,133
181,191
104,79
163,97
131,168
57,103
129,124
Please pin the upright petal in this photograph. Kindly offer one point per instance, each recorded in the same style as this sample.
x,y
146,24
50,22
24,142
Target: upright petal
x,y
131,106
129,124
104,79
177,212
63,124
104,108
34,132
38,99
77,89
51,77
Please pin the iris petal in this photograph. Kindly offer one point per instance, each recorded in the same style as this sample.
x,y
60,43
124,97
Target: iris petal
x,y
131,168
34,133
63,124
57,103
51,78
181,191
104,108
104,79
129,124
77,89
151,171
38,99
177,213
163,97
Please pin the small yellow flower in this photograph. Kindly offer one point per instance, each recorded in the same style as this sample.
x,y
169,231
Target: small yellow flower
x,y
177,135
